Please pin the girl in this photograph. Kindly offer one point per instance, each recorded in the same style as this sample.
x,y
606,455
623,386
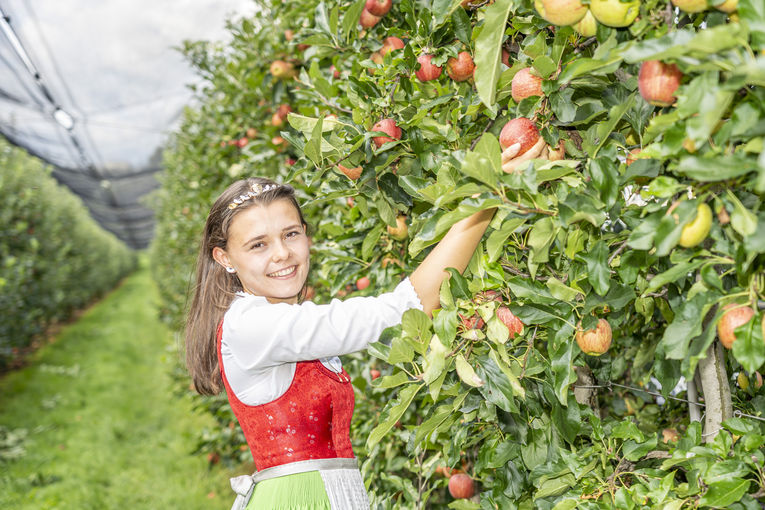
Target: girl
x,y
276,357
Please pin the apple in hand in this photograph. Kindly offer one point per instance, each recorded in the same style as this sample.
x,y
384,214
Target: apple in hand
x,y
427,71
735,315
461,486
378,7
658,82
595,341
520,130
525,84
561,12
460,68
389,127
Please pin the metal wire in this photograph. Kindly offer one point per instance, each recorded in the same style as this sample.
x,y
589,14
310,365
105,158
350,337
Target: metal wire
x,y
737,413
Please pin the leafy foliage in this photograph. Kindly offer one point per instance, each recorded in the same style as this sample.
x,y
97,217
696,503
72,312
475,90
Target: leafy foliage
x,y
591,236
49,247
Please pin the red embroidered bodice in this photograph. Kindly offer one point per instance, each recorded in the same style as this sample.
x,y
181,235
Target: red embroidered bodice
x,y
311,420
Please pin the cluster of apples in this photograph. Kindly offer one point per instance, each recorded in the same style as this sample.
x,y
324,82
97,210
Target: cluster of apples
x,y
373,12
242,141
459,68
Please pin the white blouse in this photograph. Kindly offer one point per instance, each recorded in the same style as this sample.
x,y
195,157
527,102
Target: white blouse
x,y
262,341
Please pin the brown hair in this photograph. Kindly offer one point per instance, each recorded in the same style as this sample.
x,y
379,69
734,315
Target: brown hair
x,y
214,288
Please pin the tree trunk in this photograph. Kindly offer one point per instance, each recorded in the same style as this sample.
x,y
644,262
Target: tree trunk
x,y
714,385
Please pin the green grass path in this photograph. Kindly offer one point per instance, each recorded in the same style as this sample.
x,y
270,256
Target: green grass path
x,y
103,427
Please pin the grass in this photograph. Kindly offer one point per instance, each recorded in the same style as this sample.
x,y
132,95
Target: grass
x,y
95,422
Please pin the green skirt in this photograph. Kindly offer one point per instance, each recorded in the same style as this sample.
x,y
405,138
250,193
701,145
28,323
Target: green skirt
x,y
302,491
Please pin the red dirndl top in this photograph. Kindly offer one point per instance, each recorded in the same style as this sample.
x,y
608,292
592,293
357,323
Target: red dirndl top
x,y
311,420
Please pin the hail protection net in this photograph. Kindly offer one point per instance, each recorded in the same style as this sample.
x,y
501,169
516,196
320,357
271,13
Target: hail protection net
x,y
93,88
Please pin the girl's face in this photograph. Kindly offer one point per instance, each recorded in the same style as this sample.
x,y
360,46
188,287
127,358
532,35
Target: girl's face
x,y
269,248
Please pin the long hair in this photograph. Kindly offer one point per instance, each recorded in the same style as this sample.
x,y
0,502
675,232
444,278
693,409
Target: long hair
x,y
214,288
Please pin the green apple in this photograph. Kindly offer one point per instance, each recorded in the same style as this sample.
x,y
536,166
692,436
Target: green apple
x,y
614,13
561,12
586,26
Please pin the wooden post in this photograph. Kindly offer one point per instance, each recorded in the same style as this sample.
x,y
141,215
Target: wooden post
x,y
714,385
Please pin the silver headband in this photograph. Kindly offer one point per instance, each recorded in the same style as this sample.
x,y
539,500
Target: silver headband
x,y
255,190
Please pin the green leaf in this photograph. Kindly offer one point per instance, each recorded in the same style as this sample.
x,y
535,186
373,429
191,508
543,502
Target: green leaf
x,y
615,114
674,273
724,493
496,388
496,241
561,291
742,219
598,273
393,412
313,147
563,370
391,381
749,347
515,384
686,325
488,47
542,235
370,241
716,168
458,285
351,17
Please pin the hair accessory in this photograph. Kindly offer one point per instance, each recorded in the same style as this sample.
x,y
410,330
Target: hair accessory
x,y
255,190
230,269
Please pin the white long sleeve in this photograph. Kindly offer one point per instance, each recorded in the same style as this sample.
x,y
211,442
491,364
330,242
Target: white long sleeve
x,y
262,341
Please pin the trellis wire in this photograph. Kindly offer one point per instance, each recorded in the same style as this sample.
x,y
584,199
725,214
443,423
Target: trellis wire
x,y
736,412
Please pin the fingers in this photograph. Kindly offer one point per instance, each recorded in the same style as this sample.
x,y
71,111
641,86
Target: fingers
x,y
510,152
533,153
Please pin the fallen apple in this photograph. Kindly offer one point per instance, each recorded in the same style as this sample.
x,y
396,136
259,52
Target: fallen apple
x,y
460,68
378,7
658,82
735,315
614,13
427,71
400,231
520,130
525,84
594,341
461,486
561,12
389,127
508,318
698,229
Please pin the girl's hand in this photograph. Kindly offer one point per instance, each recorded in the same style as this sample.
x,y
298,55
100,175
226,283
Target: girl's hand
x,y
511,163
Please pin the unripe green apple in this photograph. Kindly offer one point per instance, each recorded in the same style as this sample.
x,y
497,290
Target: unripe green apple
x,y
586,26
691,5
614,13
698,229
561,12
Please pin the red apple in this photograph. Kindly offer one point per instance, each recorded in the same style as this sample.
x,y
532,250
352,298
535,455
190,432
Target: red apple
x,y
508,318
632,155
282,70
520,130
389,127
277,120
474,322
427,71
376,58
335,72
525,84
658,82
242,142
595,341
290,161
505,57
252,133
289,34
460,68
352,173
391,44
374,373
284,110
736,315
378,7
362,283
367,19
461,486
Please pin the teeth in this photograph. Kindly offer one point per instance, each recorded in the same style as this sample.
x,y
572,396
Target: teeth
x,y
284,272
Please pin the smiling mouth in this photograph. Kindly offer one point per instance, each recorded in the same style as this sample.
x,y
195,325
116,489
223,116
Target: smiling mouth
x,y
283,272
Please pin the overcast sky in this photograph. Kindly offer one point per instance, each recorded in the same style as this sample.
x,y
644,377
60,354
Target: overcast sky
x,y
112,62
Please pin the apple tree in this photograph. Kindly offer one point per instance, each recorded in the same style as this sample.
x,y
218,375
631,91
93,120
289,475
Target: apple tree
x,y
602,349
